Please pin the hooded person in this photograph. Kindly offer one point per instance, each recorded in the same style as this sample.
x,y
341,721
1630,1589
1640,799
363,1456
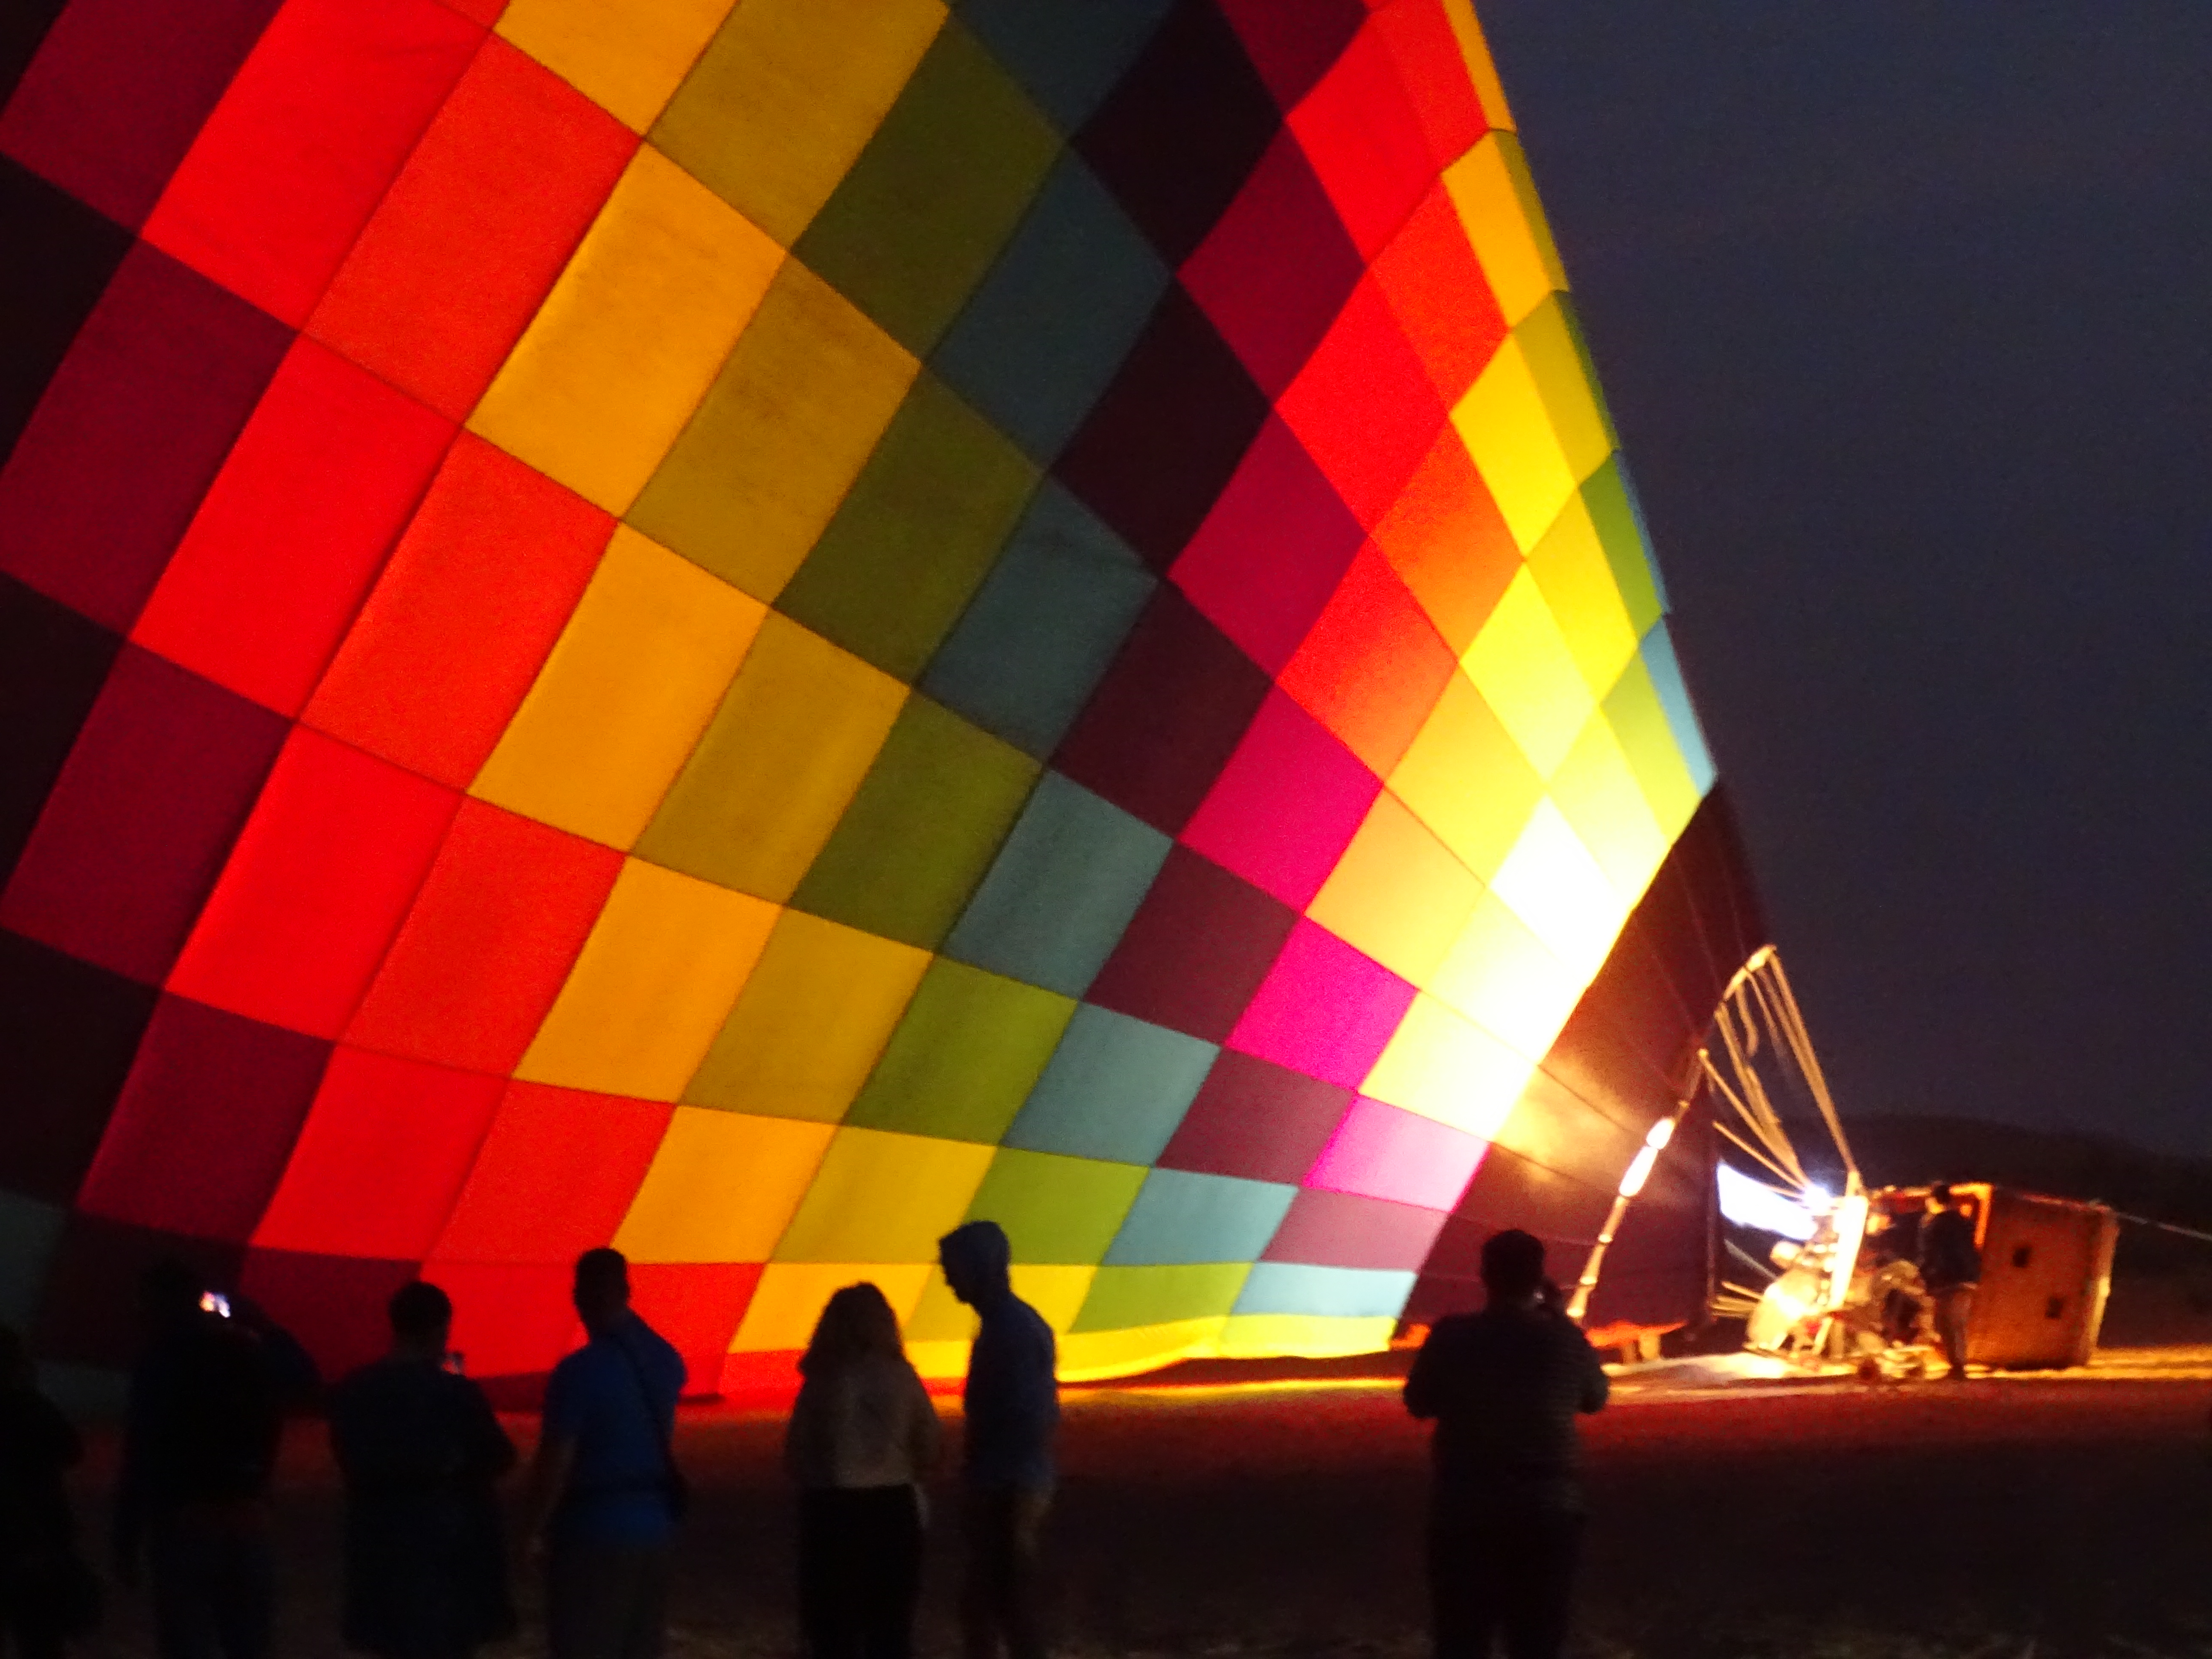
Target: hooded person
x,y
1011,1402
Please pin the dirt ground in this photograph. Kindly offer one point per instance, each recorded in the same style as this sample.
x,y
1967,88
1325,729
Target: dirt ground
x,y
2003,1517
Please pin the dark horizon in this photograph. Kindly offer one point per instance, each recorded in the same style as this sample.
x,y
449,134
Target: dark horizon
x,y
1901,315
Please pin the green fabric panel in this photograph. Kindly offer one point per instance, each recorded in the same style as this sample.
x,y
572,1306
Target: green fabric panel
x,y
916,222
1639,720
29,1231
964,1057
1123,1297
1627,550
1056,1210
918,532
922,832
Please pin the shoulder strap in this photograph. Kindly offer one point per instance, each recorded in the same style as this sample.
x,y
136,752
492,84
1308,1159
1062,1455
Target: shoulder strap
x,y
660,1435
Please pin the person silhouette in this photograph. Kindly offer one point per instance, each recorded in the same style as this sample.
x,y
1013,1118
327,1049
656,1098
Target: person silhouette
x,y
861,1437
1504,1387
419,1451
48,1594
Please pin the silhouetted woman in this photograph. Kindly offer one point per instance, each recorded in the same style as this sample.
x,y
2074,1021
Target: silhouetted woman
x,y
861,1437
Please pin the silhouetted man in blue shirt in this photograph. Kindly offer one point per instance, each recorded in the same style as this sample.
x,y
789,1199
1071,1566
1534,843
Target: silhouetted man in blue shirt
x,y
1012,1404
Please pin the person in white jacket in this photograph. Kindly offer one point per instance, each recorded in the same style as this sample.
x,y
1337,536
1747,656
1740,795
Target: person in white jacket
x,y
862,1436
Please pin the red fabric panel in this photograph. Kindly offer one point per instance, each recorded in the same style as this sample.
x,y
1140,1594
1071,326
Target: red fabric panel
x,y
1344,1230
386,1147
1272,273
294,160
324,478
136,423
119,89
1195,951
1286,806
1365,406
335,1304
212,1093
474,230
141,818
490,939
323,873
1359,130
1272,551
1257,1120
1440,296
554,1177
478,590
696,1306
509,1321
1374,665
1426,55
1164,721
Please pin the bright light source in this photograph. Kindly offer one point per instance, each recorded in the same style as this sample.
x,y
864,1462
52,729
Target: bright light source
x,y
1750,1203
1639,1172
1661,1133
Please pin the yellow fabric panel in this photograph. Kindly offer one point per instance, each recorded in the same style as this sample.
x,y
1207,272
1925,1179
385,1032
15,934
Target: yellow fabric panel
x,y
1548,338
1553,883
1488,89
1507,428
884,1197
779,437
1571,572
616,359
1501,976
1639,721
1307,1336
813,1018
785,98
1397,893
1596,790
1495,201
721,1187
1467,779
1444,1068
791,1296
626,58
1055,1291
1092,1356
779,763
623,696
663,963
1526,671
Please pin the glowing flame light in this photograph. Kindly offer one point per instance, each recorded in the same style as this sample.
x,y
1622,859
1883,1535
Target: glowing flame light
x,y
1750,1203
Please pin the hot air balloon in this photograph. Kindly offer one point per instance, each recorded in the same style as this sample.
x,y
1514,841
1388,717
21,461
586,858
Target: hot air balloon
x,y
746,631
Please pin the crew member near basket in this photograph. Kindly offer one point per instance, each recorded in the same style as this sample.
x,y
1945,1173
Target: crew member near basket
x,y
1951,1268
1504,1387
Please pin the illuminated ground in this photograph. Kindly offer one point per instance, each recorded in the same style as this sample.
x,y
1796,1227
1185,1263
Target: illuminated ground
x,y
1805,1520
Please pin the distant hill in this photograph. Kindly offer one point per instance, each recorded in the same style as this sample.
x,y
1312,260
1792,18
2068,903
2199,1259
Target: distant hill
x,y
1901,1150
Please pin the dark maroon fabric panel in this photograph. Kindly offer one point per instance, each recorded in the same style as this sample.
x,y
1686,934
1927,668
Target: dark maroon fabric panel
x,y
1158,448
1180,131
333,1303
212,1093
1293,46
53,664
1662,1262
1196,950
1346,1230
141,818
1165,719
1256,1119
68,1031
23,25
89,1314
55,262
1507,1191
119,90
1277,268
131,432
1564,1130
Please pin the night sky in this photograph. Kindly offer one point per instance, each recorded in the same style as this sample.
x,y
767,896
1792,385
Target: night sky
x,y
1905,313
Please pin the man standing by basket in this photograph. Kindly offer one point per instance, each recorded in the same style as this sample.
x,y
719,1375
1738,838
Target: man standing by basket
x,y
1951,1268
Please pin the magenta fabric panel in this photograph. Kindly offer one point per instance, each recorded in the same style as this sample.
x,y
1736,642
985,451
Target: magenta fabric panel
x,y
1345,1229
1324,1009
1286,806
